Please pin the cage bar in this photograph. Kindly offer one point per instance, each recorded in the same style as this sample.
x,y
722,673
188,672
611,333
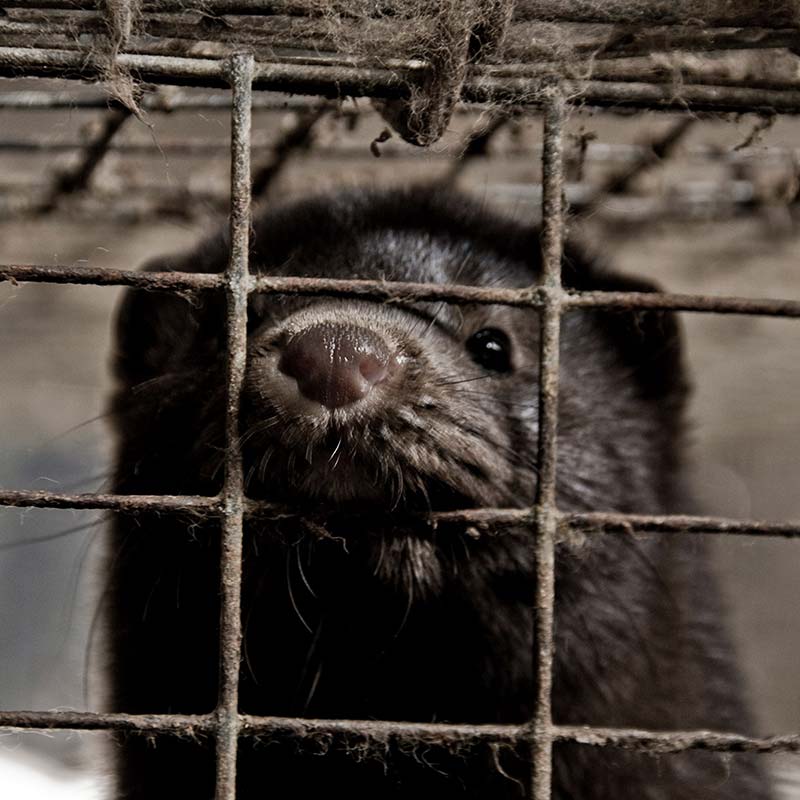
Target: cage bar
x,y
661,742
399,291
710,12
546,512
333,79
241,76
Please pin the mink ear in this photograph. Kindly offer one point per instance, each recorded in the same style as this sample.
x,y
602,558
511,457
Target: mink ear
x,y
158,331
648,340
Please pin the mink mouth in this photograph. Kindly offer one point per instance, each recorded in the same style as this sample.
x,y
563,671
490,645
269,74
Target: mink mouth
x,y
360,498
367,464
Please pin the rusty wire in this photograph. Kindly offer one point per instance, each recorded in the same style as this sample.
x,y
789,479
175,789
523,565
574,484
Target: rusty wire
x,y
230,637
711,13
329,77
446,734
399,291
622,55
553,231
489,521
179,25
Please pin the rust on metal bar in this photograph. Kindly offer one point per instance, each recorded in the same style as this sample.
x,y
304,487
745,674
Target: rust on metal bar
x,y
102,276
176,100
526,92
182,724
725,13
662,742
198,33
112,502
337,80
328,81
421,732
684,302
546,512
399,291
259,7
237,286
489,521
606,522
736,13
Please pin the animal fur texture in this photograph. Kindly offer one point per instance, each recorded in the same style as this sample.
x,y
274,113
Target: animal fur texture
x,y
368,620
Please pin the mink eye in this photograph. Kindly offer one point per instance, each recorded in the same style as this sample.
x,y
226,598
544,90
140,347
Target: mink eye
x,y
491,348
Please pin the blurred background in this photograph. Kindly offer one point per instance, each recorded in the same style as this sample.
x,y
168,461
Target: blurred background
x,y
699,205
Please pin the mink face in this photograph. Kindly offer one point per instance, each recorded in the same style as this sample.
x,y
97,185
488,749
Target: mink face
x,y
353,406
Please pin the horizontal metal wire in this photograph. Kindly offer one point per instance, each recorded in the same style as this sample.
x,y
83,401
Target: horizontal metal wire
x,y
446,734
528,44
333,80
536,297
529,36
713,13
489,521
92,721
111,502
662,742
165,101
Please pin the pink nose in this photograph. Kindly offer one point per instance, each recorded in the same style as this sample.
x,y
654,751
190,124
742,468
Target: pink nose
x,y
336,365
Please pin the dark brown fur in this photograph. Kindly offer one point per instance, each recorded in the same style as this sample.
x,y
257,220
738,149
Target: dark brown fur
x,y
360,621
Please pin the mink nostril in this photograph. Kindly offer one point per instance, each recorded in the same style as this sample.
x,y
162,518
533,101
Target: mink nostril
x,y
373,369
336,364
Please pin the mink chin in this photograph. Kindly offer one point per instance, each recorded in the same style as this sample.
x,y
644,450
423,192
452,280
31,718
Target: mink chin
x,y
352,408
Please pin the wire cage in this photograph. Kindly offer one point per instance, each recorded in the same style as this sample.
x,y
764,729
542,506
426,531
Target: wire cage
x,y
491,63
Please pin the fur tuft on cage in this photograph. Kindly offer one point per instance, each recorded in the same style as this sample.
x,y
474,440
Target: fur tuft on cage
x,y
419,59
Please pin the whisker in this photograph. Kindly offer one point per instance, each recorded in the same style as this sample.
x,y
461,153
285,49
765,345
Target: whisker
x,y
313,689
263,463
302,571
99,476
256,428
93,628
50,537
462,380
291,594
307,663
246,626
74,428
407,613
335,451
74,586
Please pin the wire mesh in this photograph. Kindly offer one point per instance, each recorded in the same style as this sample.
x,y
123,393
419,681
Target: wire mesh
x,y
243,74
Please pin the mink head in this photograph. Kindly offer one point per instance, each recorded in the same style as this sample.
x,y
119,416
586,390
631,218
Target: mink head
x,y
359,405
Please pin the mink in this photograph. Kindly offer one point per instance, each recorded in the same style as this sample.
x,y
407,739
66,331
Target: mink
x,y
352,408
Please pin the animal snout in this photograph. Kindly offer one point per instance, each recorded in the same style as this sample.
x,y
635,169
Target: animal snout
x,y
337,364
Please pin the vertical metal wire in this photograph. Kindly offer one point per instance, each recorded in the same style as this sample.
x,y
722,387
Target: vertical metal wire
x,y
237,278
546,518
